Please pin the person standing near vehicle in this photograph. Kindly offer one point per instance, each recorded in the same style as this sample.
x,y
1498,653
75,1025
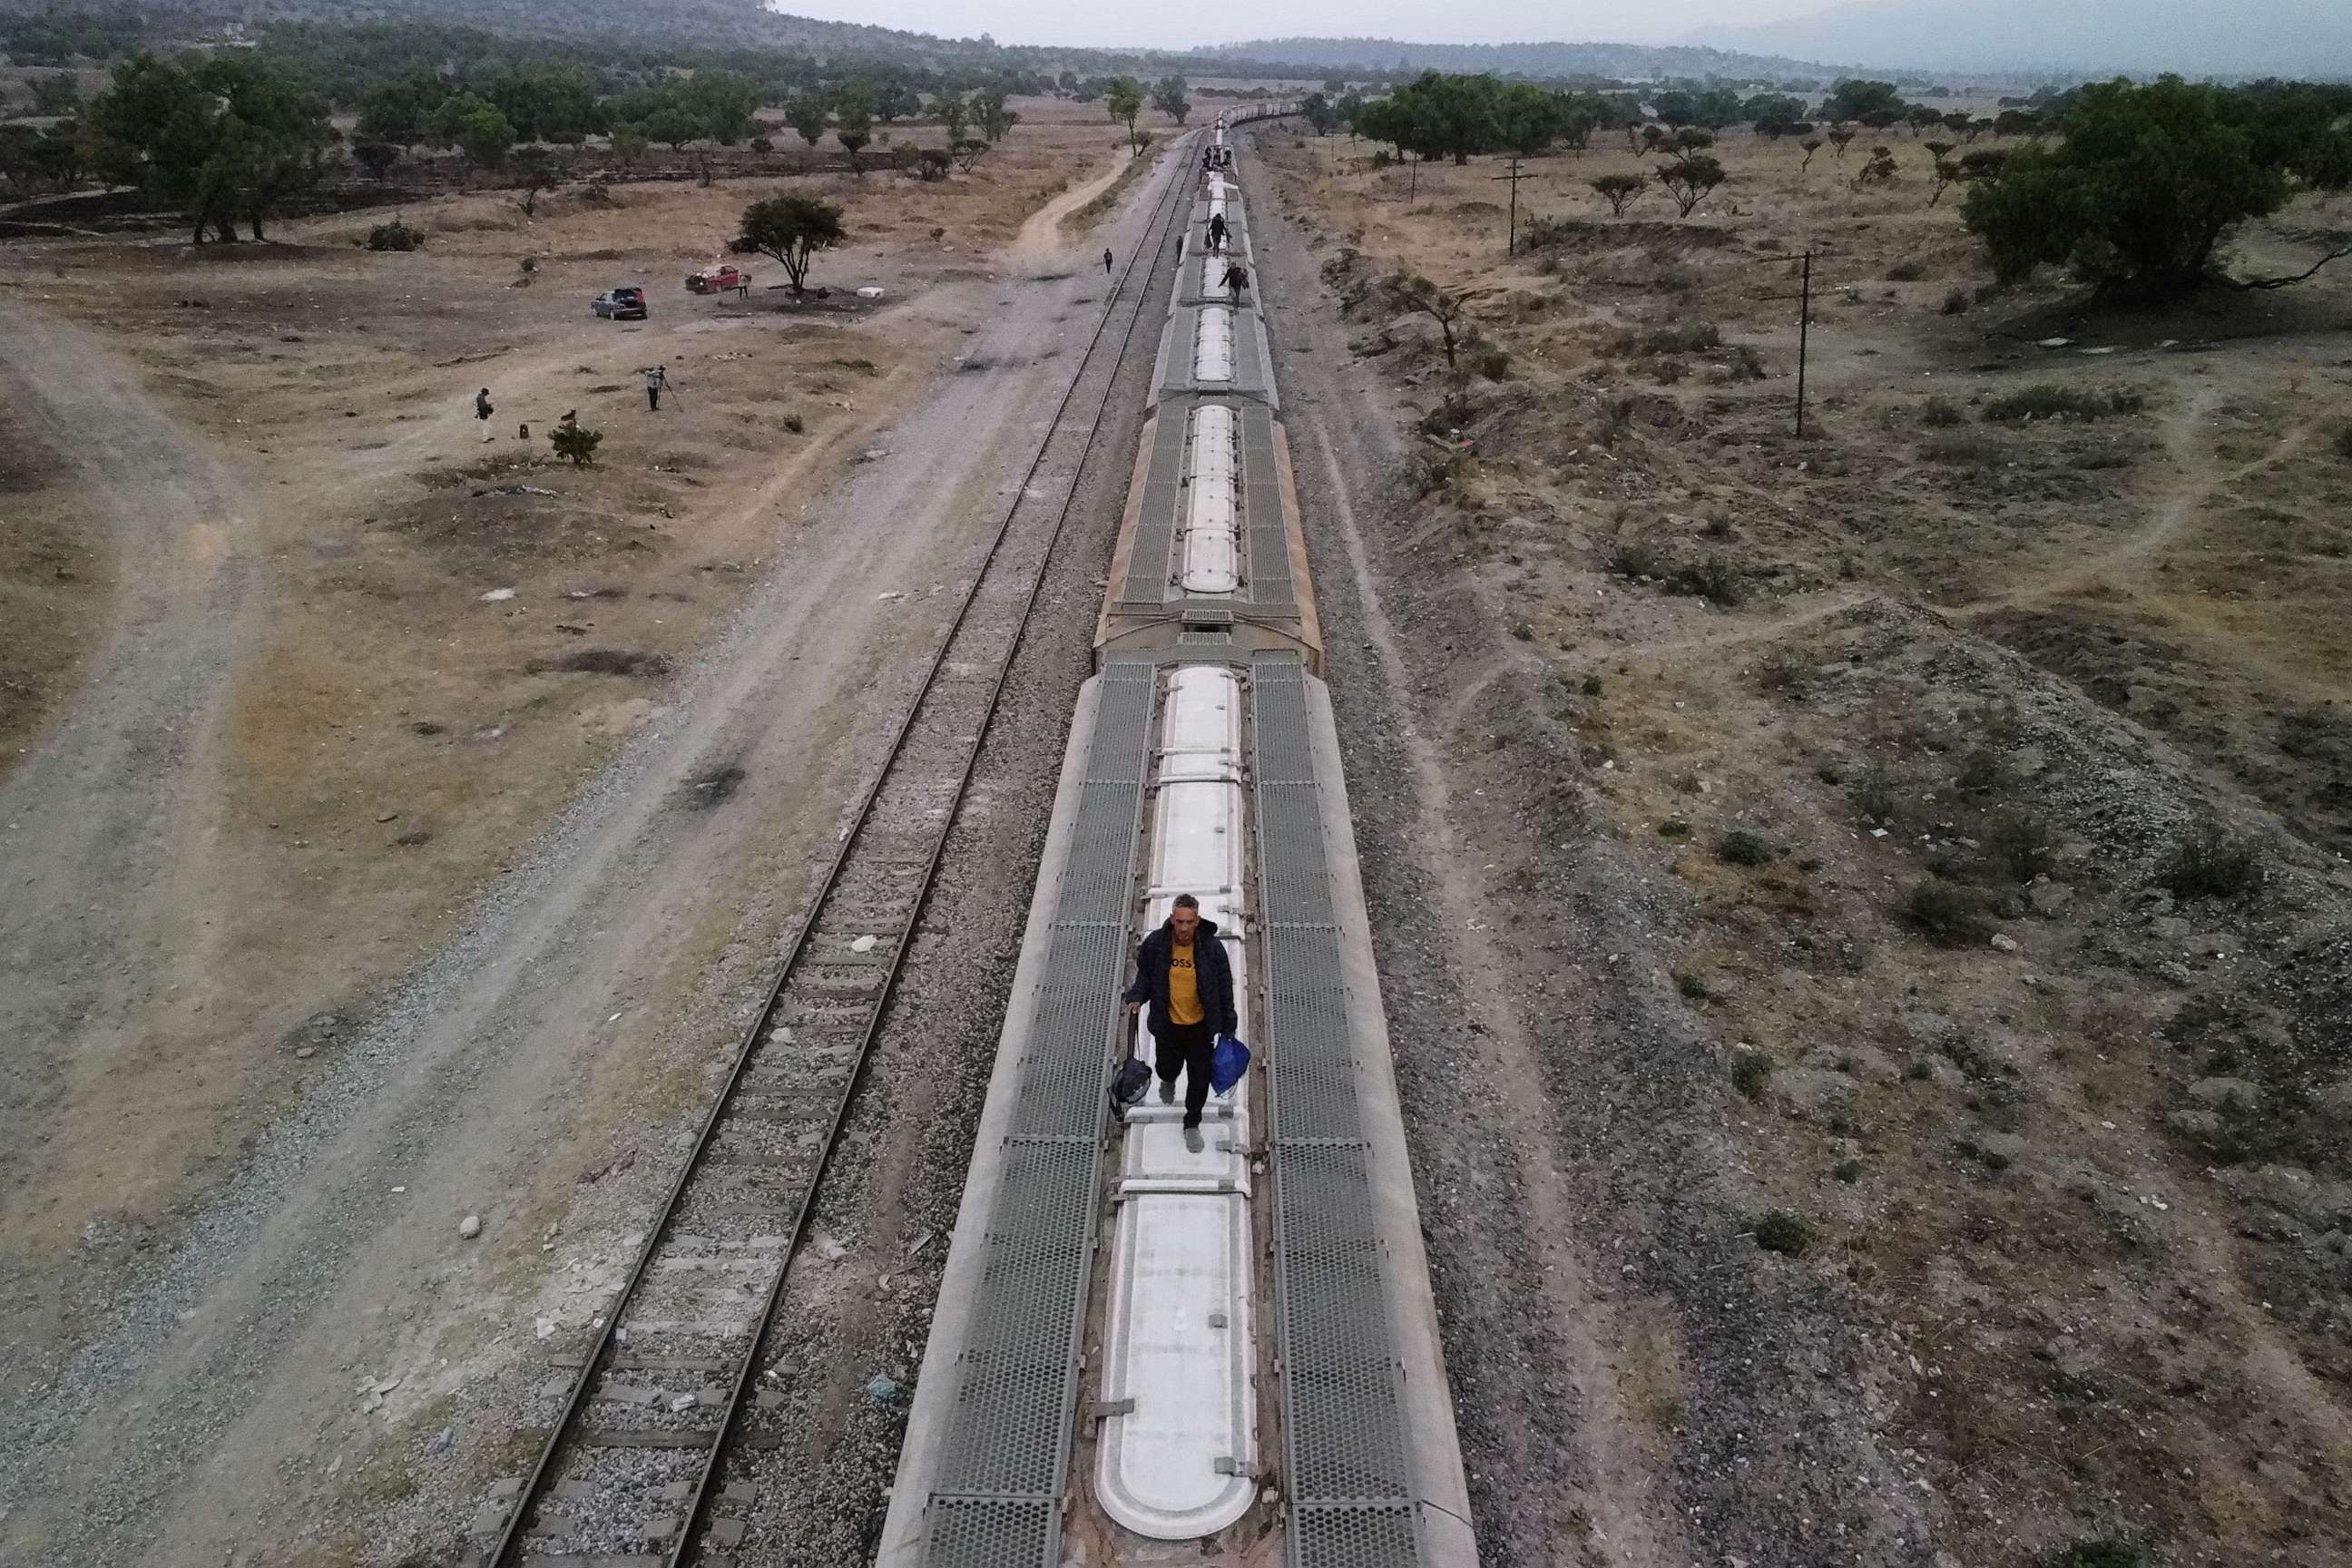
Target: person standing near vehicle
x,y
656,382
1182,972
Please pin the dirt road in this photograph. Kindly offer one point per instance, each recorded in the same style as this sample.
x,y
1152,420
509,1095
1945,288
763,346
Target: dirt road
x,y
108,824
205,1409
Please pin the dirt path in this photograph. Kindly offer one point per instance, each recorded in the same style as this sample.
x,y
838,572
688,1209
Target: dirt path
x,y
1041,239
209,1406
108,824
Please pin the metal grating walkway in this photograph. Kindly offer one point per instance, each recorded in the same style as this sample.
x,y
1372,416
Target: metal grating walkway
x,y
997,1501
1351,1487
1267,587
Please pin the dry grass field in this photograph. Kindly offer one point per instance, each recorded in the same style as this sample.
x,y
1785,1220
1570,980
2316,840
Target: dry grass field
x,y
456,629
1915,719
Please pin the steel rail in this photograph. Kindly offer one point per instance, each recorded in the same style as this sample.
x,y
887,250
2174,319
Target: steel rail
x,y
568,1422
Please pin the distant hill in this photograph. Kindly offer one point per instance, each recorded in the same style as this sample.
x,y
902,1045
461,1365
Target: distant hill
x,y
2069,38
1623,62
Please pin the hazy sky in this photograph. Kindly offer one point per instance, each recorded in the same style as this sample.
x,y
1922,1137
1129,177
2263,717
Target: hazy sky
x,y
1135,22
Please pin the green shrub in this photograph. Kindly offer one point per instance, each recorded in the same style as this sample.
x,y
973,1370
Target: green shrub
x,y
1783,1231
1873,793
2209,862
1637,557
1941,411
1712,578
1693,987
1590,685
1673,827
575,443
2050,401
1742,848
1906,272
2021,846
1956,303
1690,338
394,235
1949,913
1749,1072
1919,1069
1849,1171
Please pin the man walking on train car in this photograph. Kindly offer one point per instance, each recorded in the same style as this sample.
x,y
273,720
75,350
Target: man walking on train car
x,y
1182,971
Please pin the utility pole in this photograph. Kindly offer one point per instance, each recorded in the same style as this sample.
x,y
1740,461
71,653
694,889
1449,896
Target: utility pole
x,y
1804,338
1511,245
1804,296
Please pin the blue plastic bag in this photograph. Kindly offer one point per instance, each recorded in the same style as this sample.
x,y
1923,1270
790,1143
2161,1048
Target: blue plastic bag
x,y
1227,1063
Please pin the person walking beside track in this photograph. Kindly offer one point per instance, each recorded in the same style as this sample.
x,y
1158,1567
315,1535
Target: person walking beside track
x,y
1181,972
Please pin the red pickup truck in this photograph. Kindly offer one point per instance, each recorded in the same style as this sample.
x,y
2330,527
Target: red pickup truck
x,y
718,280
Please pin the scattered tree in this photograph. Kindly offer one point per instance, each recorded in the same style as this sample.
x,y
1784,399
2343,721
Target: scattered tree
x,y
955,116
1169,97
1411,292
1880,170
1689,178
792,230
989,113
1124,99
969,151
376,157
2145,185
1854,98
476,127
629,144
1841,138
1620,191
853,119
532,171
1812,144
805,112
1319,113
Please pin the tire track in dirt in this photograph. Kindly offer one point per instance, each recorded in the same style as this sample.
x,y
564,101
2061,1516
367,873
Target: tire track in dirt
x,y
108,824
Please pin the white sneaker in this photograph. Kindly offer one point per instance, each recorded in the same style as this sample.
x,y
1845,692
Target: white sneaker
x,y
1192,1140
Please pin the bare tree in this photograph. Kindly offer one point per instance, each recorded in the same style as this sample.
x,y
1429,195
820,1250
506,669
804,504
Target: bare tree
x,y
1411,292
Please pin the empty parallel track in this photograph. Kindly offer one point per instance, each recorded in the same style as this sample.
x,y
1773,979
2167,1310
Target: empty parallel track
x,y
627,1474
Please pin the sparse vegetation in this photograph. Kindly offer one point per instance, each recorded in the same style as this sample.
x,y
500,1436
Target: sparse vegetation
x,y
1741,847
2048,400
394,235
2210,862
1691,986
1783,1231
1949,913
575,443
1750,1070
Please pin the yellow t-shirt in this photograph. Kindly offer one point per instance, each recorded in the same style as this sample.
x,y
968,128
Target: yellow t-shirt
x,y
1183,986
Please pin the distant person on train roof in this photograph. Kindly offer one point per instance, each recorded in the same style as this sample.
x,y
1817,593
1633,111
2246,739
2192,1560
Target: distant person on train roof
x,y
1181,972
1216,231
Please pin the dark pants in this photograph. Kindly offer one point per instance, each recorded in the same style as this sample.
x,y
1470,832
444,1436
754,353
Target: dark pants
x,y
1186,1049
653,398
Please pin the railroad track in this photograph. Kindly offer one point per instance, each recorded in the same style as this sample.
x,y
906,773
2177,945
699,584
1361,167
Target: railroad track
x,y
632,1474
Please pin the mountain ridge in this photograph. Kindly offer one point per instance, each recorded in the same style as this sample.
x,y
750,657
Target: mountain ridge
x,y
2067,37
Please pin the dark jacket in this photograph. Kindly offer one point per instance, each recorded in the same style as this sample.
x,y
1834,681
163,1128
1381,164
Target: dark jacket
x,y
1213,972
